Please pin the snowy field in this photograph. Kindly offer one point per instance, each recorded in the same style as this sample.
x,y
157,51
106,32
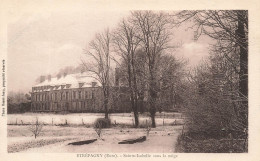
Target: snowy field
x,y
55,139
89,118
61,129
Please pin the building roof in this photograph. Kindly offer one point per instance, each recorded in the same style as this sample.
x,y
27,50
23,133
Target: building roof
x,y
78,80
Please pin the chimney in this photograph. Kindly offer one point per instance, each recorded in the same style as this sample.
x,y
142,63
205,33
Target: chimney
x,y
49,78
42,78
116,76
81,85
94,84
68,85
59,76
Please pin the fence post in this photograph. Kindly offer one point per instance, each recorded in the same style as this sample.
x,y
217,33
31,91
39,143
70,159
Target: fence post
x,y
163,121
182,130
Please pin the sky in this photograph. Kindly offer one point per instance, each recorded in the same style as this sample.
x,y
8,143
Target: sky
x,y
41,44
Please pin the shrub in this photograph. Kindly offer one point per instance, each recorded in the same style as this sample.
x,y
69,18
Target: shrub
x,y
188,145
102,123
36,128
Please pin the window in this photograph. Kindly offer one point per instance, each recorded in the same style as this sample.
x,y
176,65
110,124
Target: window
x,y
79,94
55,97
61,95
86,94
67,95
93,94
86,104
82,105
74,94
79,105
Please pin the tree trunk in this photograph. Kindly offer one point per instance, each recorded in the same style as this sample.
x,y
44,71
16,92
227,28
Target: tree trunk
x,y
134,108
134,89
243,75
153,94
141,104
106,106
152,102
133,97
136,118
152,112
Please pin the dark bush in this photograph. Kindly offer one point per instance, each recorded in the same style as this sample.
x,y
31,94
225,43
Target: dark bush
x,y
190,145
18,108
102,123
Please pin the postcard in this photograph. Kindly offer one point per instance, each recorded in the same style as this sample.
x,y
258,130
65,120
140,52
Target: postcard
x,y
127,80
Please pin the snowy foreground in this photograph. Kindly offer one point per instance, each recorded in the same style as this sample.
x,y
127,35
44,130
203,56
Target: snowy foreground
x,y
55,139
61,129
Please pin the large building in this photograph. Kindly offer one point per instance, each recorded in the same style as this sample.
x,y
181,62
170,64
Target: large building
x,y
76,93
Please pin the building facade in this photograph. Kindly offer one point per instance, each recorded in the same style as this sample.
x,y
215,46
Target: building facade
x,y
76,93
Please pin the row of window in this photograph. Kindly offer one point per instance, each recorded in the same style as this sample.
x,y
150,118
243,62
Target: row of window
x,y
60,106
63,96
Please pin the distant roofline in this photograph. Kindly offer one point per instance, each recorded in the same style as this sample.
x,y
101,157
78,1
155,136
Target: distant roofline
x,y
74,78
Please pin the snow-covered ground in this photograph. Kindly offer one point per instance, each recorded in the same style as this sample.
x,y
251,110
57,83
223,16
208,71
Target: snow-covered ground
x,y
55,139
55,136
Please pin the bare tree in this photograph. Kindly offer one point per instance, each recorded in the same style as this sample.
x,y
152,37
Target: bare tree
x,y
99,54
154,33
141,78
36,128
126,44
98,129
230,29
172,74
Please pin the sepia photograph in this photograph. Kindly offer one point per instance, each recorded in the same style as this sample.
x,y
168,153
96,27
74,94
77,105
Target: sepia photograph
x,y
133,81
128,83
